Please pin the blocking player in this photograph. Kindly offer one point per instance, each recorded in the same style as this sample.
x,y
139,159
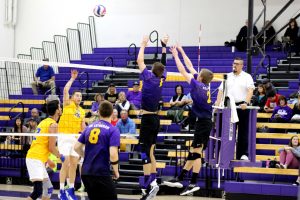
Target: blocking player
x,y
71,122
39,152
202,107
151,94
101,141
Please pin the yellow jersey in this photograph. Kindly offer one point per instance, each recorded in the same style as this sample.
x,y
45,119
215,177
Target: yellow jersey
x,y
71,119
39,148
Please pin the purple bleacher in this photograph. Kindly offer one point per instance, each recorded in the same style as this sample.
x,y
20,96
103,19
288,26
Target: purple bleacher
x,y
92,76
286,92
102,56
293,85
100,62
260,188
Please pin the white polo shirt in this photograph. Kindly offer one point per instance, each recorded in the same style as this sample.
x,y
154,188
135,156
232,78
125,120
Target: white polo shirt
x,y
238,85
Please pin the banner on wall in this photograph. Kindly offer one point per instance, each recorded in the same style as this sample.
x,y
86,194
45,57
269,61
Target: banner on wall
x,y
10,18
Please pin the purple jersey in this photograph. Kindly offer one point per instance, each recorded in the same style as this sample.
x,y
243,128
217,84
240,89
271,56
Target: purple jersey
x,y
202,105
151,91
98,137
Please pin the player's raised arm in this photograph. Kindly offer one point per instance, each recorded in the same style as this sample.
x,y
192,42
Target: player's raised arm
x,y
179,65
66,98
140,59
187,61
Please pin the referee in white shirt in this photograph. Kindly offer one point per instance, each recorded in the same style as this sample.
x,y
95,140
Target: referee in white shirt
x,y
240,86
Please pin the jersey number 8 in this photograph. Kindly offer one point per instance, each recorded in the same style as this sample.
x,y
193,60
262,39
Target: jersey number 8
x,y
94,135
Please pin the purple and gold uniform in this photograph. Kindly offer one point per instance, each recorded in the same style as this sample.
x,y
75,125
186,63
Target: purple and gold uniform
x,y
98,137
202,108
151,91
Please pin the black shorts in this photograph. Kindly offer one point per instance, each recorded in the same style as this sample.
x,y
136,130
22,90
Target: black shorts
x,y
99,187
149,129
202,132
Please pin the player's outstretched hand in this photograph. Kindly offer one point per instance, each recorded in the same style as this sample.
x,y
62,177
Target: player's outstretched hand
x,y
62,158
179,47
174,51
164,41
74,74
145,41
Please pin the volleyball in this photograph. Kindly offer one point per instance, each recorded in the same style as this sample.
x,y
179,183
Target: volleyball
x,y
99,11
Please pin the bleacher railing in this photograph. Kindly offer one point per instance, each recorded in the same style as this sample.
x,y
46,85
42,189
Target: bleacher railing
x,y
13,115
132,45
62,49
153,40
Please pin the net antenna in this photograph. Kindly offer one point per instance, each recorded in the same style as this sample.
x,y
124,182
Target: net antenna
x,y
199,44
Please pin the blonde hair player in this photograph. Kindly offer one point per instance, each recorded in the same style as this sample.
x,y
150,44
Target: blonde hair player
x,y
39,152
71,122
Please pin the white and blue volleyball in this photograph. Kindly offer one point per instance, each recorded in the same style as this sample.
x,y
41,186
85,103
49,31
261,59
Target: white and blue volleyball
x,y
99,11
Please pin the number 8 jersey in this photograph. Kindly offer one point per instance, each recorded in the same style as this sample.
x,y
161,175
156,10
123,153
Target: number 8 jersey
x,y
98,137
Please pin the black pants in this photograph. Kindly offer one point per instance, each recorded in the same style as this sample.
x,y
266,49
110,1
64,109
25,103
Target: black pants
x,y
99,187
243,127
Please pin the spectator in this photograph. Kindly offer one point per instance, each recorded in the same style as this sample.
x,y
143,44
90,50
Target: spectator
x,y
272,101
95,106
268,85
260,98
122,103
241,38
179,99
135,96
111,95
270,32
44,78
290,154
18,128
292,35
282,113
114,118
296,111
125,124
34,114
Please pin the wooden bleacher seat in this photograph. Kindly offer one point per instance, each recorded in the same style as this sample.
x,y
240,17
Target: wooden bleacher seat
x,y
264,115
6,109
274,135
162,121
4,118
11,147
279,125
160,165
183,154
27,101
129,141
161,112
179,78
259,170
266,157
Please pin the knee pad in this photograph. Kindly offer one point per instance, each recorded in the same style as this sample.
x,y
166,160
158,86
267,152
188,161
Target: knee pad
x,y
47,188
193,156
37,190
145,158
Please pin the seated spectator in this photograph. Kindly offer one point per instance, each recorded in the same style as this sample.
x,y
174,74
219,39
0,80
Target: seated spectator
x,y
122,103
241,38
268,85
125,124
18,128
32,125
293,37
177,102
44,78
135,96
111,95
34,114
260,98
95,105
114,118
179,99
272,101
290,154
296,111
270,32
282,113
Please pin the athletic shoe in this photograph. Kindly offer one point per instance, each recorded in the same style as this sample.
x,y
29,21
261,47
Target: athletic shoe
x,y
191,188
278,166
296,183
145,194
153,183
62,195
81,189
66,187
173,183
71,194
153,192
